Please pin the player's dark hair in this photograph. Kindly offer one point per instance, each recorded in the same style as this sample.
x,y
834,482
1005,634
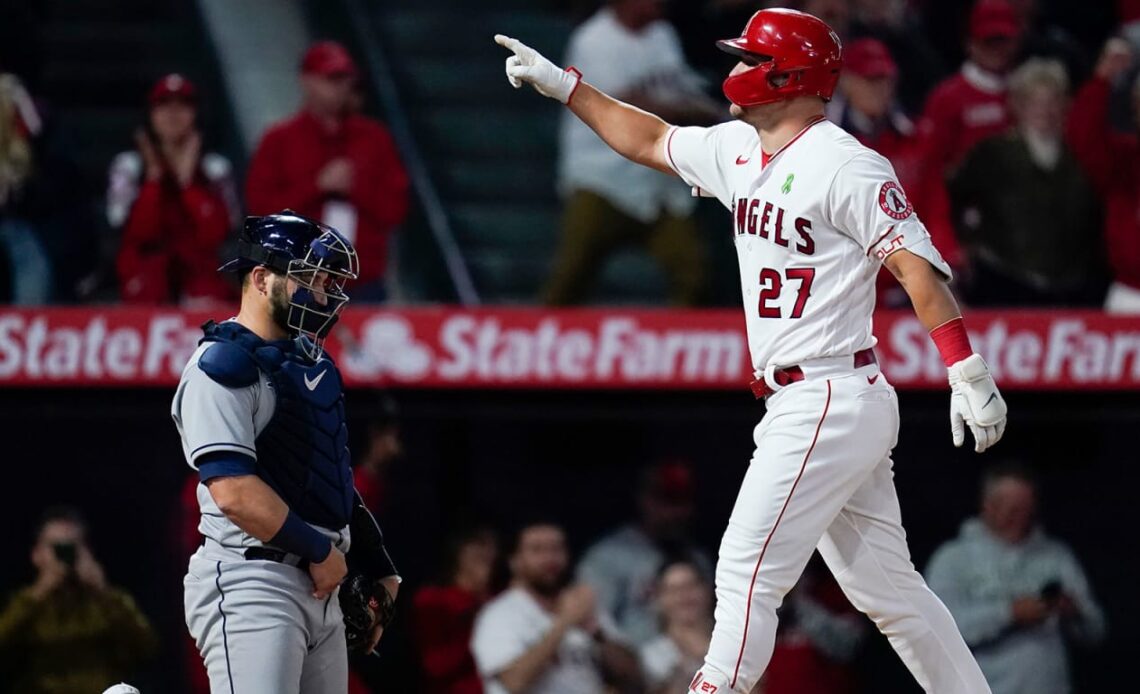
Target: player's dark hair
x,y
244,274
57,513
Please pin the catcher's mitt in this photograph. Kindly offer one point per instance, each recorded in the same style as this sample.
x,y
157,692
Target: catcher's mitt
x,y
366,604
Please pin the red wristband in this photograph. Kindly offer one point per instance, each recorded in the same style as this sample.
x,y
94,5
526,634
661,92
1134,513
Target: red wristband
x,y
577,73
952,341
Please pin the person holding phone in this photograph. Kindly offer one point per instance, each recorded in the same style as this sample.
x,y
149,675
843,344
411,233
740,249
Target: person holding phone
x,y
1018,595
174,202
69,631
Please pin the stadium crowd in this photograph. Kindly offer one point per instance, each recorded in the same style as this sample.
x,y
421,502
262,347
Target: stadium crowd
x,y
511,611
1022,161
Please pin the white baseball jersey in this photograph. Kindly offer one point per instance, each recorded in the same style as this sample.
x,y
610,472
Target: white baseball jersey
x,y
510,625
811,225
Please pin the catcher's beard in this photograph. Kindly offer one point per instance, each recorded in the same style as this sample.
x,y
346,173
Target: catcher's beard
x,y
279,304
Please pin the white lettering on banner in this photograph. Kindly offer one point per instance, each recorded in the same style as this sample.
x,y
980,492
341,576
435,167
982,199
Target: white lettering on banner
x,y
61,358
689,355
1024,353
919,358
1125,345
166,340
1060,335
10,362
37,334
1068,351
34,349
622,349
531,348
573,360
453,338
482,348
93,338
124,346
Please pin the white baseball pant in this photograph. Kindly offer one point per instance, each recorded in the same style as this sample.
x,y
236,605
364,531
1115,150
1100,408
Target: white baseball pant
x,y
822,476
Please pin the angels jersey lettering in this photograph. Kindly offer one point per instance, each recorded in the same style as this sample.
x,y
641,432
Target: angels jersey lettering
x,y
811,225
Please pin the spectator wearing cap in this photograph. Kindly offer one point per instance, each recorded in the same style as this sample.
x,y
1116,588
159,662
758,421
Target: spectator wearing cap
x,y
1028,216
894,23
865,106
174,204
622,567
330,163
1112,160
963,110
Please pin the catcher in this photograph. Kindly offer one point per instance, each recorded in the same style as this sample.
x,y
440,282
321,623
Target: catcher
x,y
260,409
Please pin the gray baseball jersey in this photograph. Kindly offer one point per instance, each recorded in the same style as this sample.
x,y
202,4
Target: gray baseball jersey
x,y
256,624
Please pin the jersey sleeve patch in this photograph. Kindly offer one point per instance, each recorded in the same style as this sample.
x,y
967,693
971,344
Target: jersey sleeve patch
x,y
228,365
894,202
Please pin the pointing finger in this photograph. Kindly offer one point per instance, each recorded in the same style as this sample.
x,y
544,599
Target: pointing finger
x,y
507,42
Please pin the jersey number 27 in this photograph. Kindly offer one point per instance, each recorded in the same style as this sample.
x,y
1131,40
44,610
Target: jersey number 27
x,y
772,283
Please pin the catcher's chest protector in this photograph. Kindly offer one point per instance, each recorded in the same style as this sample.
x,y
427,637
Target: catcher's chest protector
x,y
303,452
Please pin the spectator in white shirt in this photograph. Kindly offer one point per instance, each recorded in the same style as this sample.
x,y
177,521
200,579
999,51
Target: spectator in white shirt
x,y
628,50
541,637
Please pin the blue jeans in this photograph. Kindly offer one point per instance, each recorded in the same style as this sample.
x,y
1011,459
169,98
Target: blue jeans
x,y
31,267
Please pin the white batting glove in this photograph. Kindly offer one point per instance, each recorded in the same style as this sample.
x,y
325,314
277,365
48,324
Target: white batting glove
x,y
530,66
975,402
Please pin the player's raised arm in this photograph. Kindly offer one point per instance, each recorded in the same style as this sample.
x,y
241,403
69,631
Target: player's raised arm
x,y
633,133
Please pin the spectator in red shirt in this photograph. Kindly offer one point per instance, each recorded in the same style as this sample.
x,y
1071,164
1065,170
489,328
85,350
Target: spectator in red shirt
x,y
866,107
963,110
1112,161
174,203
383,446
444,616
329,163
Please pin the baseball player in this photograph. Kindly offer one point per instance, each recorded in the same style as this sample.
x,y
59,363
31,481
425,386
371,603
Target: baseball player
x,y
260,410
814,213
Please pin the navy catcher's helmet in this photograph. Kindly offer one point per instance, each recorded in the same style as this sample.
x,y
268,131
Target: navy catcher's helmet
x,y
318,258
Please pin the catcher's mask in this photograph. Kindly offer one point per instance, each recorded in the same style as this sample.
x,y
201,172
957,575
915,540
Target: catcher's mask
x,y
319,260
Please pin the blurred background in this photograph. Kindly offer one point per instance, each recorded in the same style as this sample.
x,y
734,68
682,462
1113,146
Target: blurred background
x,y
545,338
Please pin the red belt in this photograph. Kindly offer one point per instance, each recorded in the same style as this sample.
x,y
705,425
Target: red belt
x,y
794,374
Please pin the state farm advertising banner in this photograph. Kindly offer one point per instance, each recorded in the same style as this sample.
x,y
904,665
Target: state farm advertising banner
x,y
538,348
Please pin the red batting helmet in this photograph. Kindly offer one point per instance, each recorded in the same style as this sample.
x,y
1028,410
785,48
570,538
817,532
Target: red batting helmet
x,y
793,53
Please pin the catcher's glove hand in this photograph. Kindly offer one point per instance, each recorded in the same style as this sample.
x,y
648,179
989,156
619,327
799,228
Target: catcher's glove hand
x,y
367,605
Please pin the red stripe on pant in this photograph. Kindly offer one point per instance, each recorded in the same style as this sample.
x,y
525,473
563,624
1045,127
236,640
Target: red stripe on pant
x,y
760,559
